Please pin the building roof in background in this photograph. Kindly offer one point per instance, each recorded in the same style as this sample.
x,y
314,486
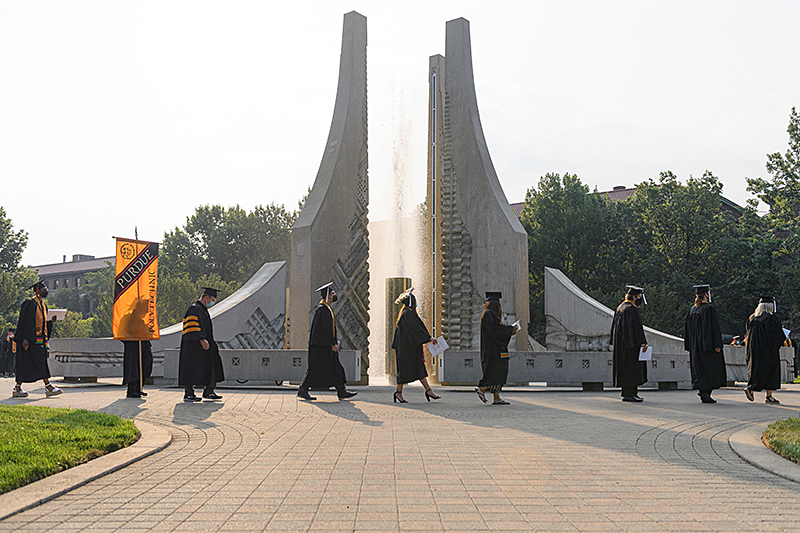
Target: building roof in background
x,y
87,263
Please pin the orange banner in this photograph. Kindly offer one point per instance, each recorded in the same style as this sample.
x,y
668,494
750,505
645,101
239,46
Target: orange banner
x,y
135,317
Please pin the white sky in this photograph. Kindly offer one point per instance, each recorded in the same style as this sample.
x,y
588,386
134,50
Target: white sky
x,y
122,114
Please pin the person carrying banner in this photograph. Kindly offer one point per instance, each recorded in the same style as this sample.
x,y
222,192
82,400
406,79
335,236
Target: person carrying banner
x,y
200,363
32,335
324,369
134,319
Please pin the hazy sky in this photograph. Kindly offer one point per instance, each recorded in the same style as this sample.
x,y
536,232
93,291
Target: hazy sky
x,y
120,114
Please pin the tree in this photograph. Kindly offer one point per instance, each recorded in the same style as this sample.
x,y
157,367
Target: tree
x,y
176,292
781,229
230,243
12,244
74,326
566,230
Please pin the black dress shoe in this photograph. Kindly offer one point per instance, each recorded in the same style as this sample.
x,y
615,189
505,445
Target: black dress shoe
x,y
190,398
639,398
305,395
346,394
133,395
143,393
635,399
211,396
707,399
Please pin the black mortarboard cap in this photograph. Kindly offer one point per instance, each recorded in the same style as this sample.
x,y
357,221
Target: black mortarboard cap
x,y
209,291
36,285
493,296
633,290
325,288
701,289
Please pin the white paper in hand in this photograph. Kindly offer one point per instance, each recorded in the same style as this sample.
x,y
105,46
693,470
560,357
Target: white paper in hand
x,y
439,347
646,355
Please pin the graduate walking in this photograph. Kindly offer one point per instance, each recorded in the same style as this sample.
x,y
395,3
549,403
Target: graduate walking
x,y
765,336
324,369
703,340
627,337
32,336
409,338
495,337
200,363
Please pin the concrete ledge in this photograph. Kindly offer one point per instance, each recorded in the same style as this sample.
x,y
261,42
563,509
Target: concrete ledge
x,y
153,439
749,446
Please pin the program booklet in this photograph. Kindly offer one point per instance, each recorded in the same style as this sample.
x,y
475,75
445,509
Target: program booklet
x,y
439,347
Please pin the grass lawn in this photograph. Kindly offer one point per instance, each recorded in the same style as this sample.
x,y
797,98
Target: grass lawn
x,y
783,438
36,442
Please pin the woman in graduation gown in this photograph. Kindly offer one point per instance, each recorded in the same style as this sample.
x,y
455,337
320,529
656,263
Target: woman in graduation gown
x,y
495,337
409,338
702,338
765,337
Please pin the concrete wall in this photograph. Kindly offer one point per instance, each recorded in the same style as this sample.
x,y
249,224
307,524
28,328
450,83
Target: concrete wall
x,y
577,322
263,367
575,368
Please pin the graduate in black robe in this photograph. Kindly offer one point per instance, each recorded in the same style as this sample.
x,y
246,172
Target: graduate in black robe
x,y
200,363
324,369
495,337
32,336
703,340
765,337
409,338
627,337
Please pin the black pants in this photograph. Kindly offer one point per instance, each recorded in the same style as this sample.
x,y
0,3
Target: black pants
x,y
630,392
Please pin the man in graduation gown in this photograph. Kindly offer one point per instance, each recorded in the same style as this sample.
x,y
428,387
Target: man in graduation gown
x,y
765,336
703,340
324,369
32,335
9,353
200,363
627,337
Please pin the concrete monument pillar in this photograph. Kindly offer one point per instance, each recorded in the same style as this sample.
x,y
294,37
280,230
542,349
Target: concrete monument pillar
x,y
477,242
330,241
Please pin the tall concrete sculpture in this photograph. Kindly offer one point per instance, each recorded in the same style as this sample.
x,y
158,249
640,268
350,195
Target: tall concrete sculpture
x,y
477,243
330,240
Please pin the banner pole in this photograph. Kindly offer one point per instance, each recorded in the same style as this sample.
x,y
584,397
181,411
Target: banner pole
x,y
141,377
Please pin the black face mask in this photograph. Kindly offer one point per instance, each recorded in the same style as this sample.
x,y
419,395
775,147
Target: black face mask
x,y
335,297
43,292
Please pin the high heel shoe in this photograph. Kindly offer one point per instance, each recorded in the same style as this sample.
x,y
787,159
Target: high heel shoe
x,y
400,399
430,395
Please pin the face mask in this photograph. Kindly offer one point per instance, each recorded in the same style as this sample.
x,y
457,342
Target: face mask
x,y
43,292
210,303
335,297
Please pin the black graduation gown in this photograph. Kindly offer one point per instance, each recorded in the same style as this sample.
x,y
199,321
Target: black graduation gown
x,y
130,366
409,338
494,341
324,369
627,337
196,363
701,335
764,339
31,363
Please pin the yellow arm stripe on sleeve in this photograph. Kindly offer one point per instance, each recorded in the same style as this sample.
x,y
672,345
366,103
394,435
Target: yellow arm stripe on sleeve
x,y
190,318
190,330
190,323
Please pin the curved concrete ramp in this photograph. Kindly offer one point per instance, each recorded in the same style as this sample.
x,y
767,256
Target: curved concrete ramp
x,y
252,317
578,322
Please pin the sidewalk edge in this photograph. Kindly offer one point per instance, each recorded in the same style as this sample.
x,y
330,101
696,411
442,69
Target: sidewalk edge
x,y
153,439
748,445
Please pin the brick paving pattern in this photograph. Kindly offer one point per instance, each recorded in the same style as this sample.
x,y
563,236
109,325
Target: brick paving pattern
x,y
260,460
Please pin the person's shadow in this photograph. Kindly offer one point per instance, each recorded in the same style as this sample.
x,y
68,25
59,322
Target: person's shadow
x,y
195,414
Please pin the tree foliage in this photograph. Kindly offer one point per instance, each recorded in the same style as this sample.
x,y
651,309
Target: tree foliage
x,y
230,243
